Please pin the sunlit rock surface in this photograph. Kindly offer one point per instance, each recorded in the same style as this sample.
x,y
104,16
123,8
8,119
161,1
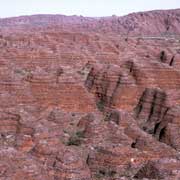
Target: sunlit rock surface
x,y
90,98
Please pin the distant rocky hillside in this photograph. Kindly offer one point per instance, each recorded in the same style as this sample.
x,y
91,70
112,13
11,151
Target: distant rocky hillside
x,y
90,98
144,23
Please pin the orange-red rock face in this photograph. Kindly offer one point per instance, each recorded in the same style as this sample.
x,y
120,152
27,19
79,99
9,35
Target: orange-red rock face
x,y
90,98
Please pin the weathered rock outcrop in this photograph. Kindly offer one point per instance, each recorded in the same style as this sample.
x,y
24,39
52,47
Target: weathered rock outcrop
x,y
156,118
90,98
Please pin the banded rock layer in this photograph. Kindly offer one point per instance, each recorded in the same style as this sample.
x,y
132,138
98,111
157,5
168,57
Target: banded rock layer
x,y
90,98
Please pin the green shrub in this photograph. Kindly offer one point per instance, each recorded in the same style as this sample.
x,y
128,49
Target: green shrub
x,y
74,141
80,134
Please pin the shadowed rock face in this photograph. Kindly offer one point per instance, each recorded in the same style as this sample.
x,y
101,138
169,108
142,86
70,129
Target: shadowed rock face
x,y
90,98
155,118
104,83
148,171
151,109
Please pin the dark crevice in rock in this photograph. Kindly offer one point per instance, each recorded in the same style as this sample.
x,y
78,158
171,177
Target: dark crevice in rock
x,y
139,107
166,111
87,159
163,56
133,145
131,66
140,143
156,127
162,134
172,61
153,104
102,172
